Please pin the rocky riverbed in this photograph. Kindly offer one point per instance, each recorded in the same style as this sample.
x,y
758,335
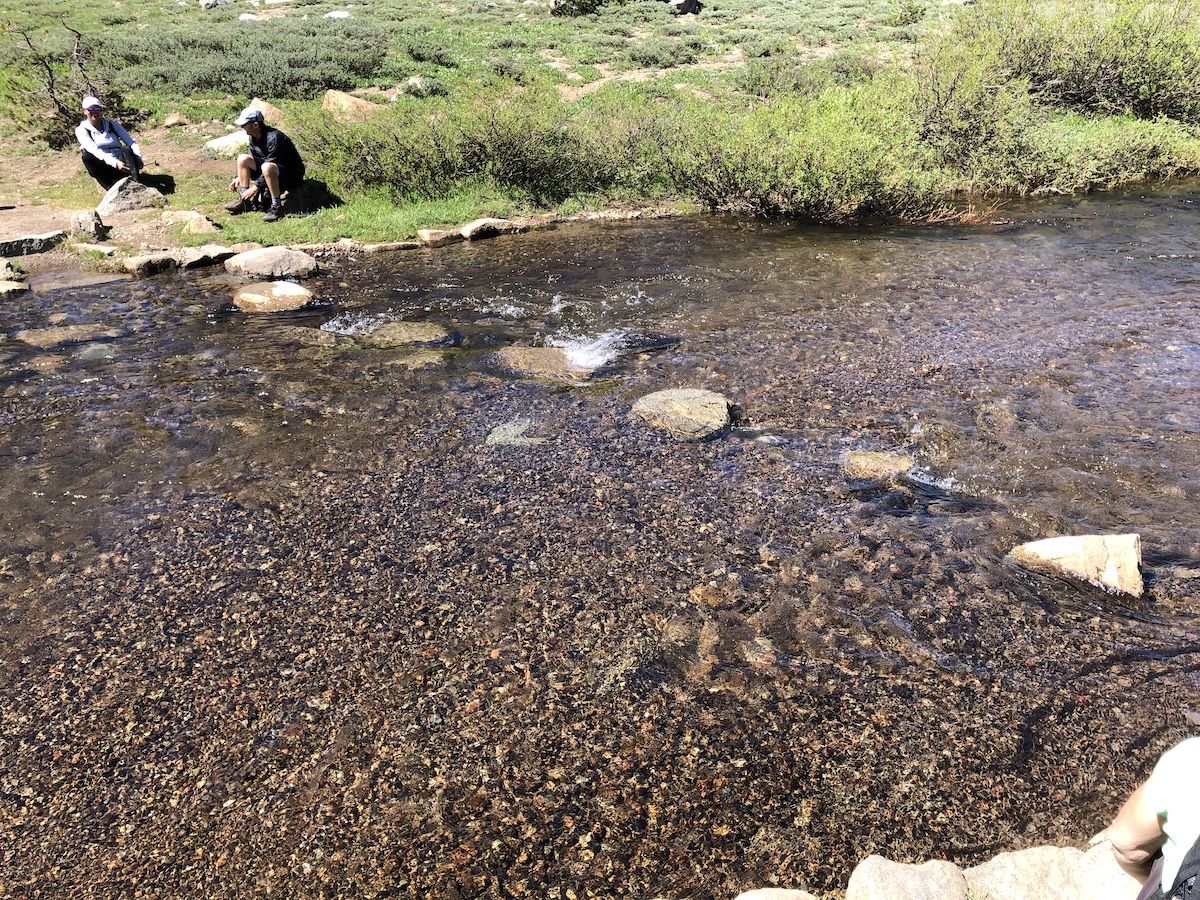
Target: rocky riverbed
x,y
279,618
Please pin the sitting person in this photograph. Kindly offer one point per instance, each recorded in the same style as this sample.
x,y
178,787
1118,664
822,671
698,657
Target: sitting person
x,y
109,153
1156,835
272,167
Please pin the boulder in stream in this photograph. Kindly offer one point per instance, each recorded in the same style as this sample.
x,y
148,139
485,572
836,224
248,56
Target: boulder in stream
x,y
1109,561
149,264
271,296
271,262
687,414
204,255
875,465
127,195
486,228
544,363
403,334
9,288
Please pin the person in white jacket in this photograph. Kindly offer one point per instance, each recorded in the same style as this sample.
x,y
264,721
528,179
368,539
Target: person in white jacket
x,y
108,151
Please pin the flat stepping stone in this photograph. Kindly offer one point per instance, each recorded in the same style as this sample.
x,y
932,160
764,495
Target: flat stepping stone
x,y
58,281
271,262
1109,561
10,288
687,414
272,296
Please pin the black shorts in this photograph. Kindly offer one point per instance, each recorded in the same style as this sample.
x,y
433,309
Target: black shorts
x,y
105,174
289,179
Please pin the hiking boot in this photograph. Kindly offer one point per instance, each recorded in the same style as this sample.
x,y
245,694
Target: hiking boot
x,y
275,213
238,206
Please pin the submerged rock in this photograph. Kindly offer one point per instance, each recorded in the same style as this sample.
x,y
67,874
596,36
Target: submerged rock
x,y
272,262
1110,561
271,296
688,414
513,434
127,195
547,363
306,337
45,338
877,878
400,334
420,359
875,465
57,281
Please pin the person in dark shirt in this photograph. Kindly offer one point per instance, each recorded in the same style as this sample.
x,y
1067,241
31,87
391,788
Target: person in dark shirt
x,y
272,167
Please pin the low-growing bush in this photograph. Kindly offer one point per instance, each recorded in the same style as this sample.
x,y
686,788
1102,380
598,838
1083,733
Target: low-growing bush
x,y
659,53
510,68
1137,57
904,13
291,58
425,50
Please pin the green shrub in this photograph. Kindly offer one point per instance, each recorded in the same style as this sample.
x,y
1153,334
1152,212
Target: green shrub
x,y
904,13
290,58
659,53
768,46
1136,57
424,50
510,68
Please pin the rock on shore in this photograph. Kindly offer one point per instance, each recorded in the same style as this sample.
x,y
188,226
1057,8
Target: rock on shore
x,y
127,195
1111,561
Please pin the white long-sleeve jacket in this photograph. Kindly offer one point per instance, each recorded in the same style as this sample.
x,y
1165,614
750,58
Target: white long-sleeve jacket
x,y
106,142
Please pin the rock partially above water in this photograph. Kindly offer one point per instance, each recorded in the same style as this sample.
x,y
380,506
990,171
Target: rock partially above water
x,y
876,878
272,262
486,228
1110,561
32,243
688,414
272,296
44,338
149,264
127,195
206,255
875,465
547,363
8,288
438,237
400,334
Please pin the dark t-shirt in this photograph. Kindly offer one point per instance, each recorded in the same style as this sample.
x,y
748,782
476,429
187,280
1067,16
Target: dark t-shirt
x,y
278,148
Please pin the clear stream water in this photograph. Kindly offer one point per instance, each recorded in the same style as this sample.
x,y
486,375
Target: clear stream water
x,y
1044,372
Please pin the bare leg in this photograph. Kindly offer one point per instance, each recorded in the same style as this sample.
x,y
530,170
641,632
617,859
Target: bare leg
x,y
271,175
247,171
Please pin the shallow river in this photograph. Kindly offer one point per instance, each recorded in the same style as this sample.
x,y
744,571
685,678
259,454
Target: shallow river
x,y
277,617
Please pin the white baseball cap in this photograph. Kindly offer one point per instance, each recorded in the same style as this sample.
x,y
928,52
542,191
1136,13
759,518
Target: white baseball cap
x,y
89,102
248,115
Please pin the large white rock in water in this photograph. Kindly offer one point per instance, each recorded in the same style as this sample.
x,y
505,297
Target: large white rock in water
x,y
271,296
127,195
1109,561
229,145
876,878
271,262
689,414
403,334
876,465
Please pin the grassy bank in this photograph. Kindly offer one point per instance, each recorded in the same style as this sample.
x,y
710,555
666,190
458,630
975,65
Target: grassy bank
x,y
841,112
